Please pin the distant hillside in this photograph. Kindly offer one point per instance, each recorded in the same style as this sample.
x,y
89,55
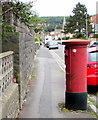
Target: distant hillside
x,y
53,22
55,19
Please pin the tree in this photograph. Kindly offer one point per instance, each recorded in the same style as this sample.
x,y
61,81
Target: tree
x,y
51,23
77,22
50,28
24,13
37,23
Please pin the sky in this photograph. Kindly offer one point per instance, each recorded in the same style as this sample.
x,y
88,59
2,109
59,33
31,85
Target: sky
x,y
61,7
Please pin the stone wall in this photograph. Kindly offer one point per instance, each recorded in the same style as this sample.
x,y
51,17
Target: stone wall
x,y
26,58
10,101
21,42
6,70
9,93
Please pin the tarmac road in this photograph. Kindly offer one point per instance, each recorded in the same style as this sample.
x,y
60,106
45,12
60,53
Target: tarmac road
x,y
47,89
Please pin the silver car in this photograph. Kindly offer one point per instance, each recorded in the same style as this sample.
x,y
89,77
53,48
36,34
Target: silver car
x,y
93,44
53,45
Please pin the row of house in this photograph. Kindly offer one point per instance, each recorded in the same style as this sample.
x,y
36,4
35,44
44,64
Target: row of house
x,y
94,20
57,33
94,23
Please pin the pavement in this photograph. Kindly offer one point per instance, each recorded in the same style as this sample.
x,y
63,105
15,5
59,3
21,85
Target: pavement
x,y
46,90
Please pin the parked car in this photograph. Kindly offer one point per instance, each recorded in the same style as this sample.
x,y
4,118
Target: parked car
x,y
59,41
47,44
53,45
93,44
92,66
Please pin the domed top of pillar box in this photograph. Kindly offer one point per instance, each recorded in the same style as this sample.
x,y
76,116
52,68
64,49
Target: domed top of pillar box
x,y
76,42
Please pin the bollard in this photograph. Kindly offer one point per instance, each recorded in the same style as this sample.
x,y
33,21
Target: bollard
x,y
76,74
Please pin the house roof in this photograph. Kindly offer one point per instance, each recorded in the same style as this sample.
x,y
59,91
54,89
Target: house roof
x,y
94,19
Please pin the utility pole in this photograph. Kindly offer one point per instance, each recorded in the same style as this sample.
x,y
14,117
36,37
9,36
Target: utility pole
x,y
86,27
64,22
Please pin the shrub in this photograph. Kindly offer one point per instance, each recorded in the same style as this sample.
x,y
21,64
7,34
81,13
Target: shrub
x,y
65,38
37,39
95,35
79,35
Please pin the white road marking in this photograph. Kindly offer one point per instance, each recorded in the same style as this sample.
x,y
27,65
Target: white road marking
x,y
59,60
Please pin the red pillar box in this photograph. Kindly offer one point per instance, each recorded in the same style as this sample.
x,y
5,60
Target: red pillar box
x,y
76,74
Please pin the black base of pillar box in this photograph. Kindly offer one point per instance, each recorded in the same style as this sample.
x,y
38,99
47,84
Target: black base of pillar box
x,y
76,101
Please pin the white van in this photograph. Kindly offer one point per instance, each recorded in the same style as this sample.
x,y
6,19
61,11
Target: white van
x,y
47,38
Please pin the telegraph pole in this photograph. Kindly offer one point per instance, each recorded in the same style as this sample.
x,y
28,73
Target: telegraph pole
x,y
86,27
